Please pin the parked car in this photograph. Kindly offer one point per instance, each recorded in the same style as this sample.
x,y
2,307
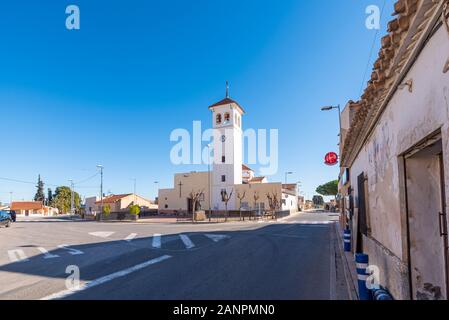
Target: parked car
x,y
5,219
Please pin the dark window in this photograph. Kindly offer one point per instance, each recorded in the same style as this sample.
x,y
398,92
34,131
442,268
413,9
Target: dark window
x,y
223,178
166,206
223,159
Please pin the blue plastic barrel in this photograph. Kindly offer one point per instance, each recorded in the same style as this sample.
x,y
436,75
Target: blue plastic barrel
x,y
362,261
382,294
347,240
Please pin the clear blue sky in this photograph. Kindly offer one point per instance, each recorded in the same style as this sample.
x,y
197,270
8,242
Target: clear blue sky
x,y
112,92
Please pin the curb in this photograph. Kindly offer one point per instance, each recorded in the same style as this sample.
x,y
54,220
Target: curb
x,y
348,265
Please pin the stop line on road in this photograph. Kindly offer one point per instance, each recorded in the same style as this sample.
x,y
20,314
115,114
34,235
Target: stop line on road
x,y
19,255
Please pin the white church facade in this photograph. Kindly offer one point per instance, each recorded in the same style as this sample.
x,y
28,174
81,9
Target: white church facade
x,y
228,176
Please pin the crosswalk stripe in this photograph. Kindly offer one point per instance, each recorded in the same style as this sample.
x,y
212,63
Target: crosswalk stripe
x,y
102,234
110,277
157,240
187,242
47,255
17,256
131,237
216,237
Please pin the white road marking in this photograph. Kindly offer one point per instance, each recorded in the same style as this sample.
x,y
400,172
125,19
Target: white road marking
x,y
73,252
47,255
216,237
187,242
17,256
99,281
101,234
157,240
131,237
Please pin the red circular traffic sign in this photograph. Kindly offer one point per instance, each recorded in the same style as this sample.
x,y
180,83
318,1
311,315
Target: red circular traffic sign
x,y
331,159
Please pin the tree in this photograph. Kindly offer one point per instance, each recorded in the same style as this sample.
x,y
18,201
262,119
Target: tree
x,y
195,196
49,197
106,210
318,200
241,197
328,189
134,210
256,197
40,196
226,197
62,199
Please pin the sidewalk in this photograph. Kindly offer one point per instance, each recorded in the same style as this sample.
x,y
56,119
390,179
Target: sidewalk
x,y
349,265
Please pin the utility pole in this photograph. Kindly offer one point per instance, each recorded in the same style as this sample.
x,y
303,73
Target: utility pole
x,y
286,175
135,183
72,197
101,185
208,178
10,198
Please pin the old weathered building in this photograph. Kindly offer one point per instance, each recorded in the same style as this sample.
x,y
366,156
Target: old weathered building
x,y
395,155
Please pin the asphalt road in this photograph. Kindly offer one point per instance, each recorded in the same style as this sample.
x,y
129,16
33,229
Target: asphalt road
x,y
291,259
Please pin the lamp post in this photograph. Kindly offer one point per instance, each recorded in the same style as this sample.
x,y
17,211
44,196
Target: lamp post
x,y
101,186
286,175
71,197
329,108
156,184
208,180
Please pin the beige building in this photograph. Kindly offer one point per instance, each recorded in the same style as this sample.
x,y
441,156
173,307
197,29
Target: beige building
x,y
228,176
33,208
395,155
117,203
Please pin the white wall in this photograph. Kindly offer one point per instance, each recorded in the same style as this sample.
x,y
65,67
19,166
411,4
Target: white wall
x,y
408,118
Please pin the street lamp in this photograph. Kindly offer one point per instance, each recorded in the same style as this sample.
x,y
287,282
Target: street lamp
x,y
156,183
101,185
286,174
208,180
329,108
72,186
298,184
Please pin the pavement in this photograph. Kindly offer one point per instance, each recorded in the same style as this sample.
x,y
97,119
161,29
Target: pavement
x,y
295,258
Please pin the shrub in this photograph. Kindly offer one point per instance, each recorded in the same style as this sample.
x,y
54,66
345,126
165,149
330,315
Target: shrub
x,y
134,210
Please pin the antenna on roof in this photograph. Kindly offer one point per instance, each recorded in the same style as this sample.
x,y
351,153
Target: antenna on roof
x,y
227,89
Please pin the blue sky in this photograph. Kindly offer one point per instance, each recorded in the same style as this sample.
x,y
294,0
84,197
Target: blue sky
x,y
113,91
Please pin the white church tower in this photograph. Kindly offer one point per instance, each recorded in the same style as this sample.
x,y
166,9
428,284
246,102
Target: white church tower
x,y
227,147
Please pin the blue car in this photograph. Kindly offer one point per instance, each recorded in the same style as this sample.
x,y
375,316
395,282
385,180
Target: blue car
x,y
5,219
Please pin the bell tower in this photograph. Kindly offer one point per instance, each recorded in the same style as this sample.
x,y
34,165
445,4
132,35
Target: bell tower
x,y
227,147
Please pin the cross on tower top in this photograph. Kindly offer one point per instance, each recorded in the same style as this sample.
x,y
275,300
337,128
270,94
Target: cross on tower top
x,y
227,89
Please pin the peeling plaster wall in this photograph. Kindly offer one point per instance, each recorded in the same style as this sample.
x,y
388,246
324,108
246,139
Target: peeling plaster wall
x,y
408,118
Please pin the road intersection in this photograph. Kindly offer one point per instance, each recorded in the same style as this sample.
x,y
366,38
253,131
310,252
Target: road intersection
x,y
288,259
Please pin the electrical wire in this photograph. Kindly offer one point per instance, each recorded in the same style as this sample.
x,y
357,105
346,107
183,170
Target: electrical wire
x,y
371,51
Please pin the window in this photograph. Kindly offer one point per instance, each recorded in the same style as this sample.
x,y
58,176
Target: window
x,y
166,206
227,117
218,118
223,159
223,178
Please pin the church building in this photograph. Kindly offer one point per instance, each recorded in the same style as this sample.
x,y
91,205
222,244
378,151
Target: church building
x,y
229,177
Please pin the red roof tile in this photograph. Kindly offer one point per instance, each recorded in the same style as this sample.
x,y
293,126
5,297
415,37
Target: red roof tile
x,y
114,198
27,205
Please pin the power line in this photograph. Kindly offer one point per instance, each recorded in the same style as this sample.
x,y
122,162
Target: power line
x,y
371,51
87,179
